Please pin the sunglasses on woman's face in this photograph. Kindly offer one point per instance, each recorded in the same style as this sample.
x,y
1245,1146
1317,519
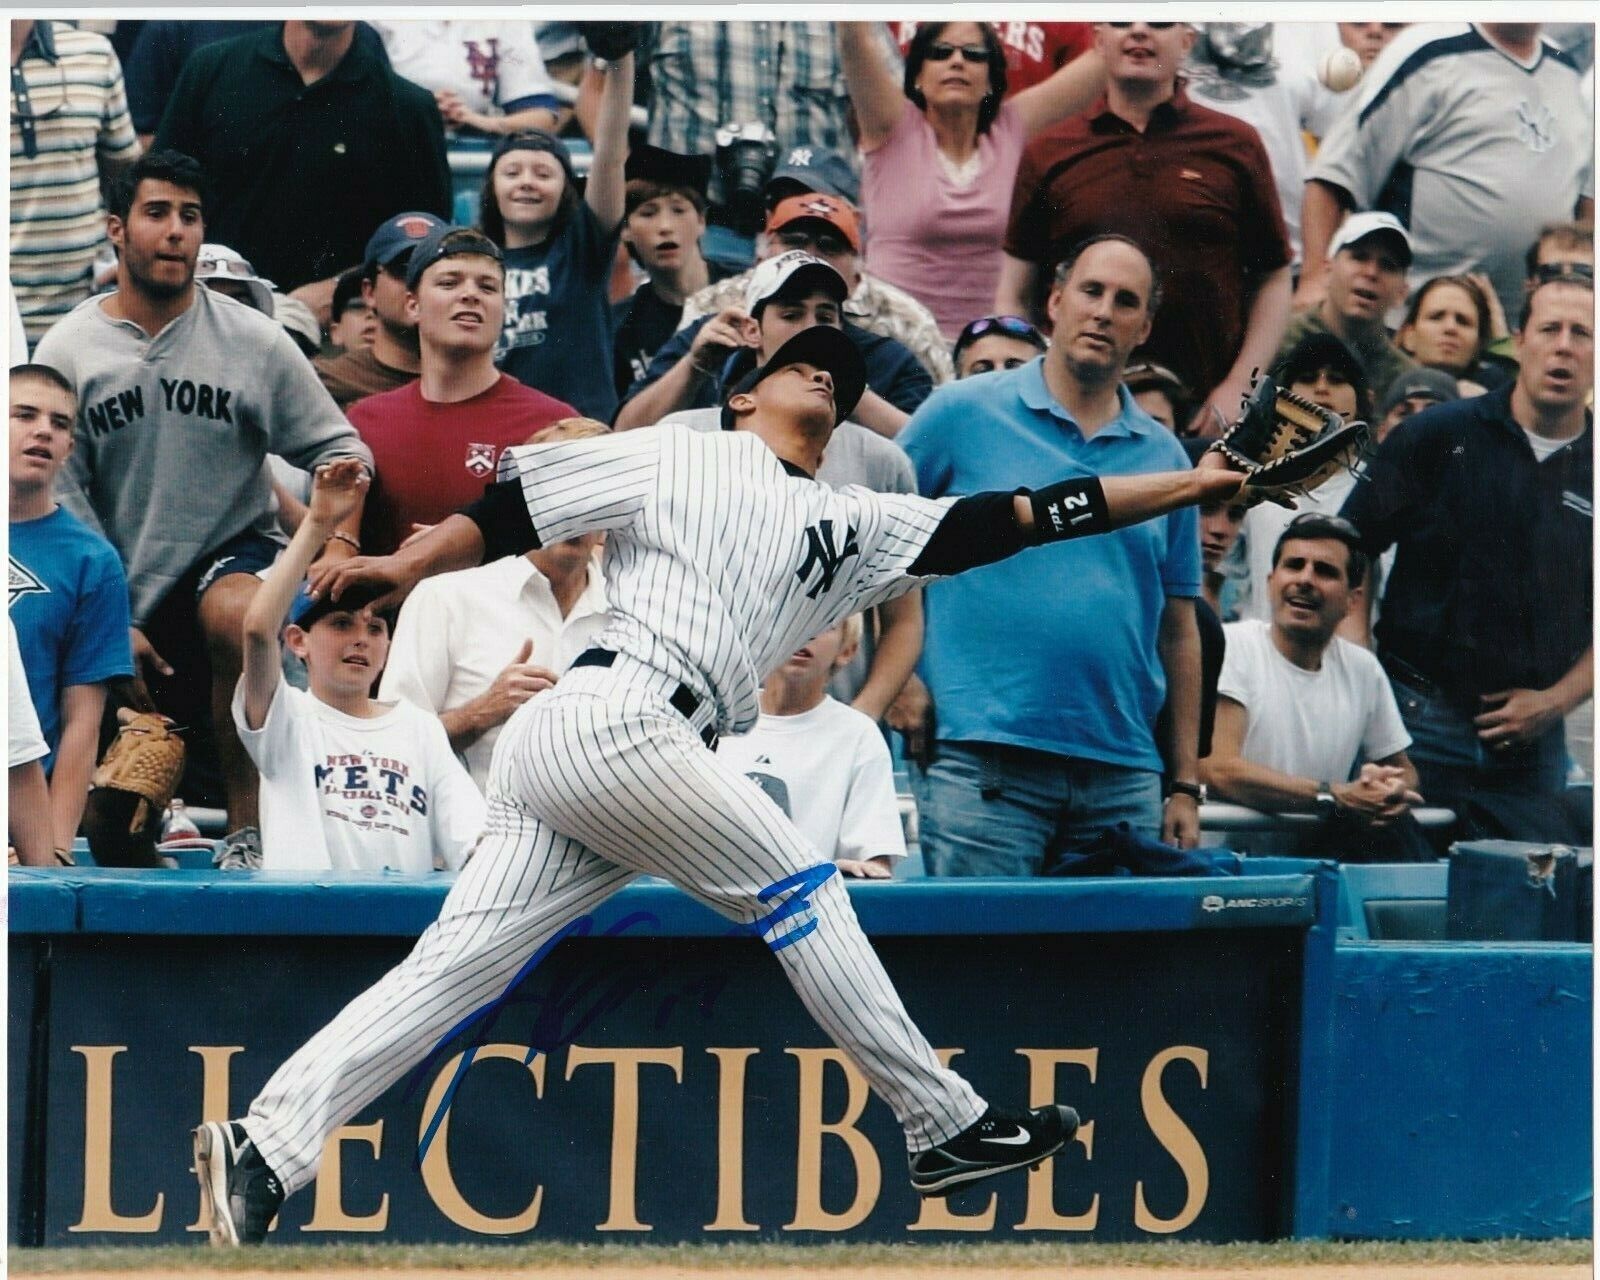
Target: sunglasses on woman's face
x,y
1154,26
973,53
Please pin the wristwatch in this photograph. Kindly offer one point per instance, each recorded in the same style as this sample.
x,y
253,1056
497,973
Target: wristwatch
x,y
1327,805
1195,790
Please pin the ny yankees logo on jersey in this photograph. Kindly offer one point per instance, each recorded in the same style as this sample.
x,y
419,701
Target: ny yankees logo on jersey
x,y
820,553
23,583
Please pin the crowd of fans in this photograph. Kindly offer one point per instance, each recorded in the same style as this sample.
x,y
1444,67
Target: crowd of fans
x,y
249,335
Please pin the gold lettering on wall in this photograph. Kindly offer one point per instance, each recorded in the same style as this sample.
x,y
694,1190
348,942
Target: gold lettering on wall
x,y
436,1175
328,1211
809,1215
1177,1138
1041,1214
98,1215
625,1063
214,1092
730,1140
936,1214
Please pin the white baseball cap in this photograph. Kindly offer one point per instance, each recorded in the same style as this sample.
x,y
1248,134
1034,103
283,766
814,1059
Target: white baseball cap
x,y
218,262
1358,226
789,273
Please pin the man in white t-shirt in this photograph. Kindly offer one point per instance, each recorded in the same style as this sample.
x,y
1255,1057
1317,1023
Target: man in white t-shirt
x,y
28,806
1306,721
347,783
823,763
473,646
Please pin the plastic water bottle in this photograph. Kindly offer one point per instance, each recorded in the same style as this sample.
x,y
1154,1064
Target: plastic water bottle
x,y
178,825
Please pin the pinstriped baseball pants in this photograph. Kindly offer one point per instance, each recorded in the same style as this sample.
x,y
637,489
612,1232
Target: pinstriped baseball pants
x,y
594,783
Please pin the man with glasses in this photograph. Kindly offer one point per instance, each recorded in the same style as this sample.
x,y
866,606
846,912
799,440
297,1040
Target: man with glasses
x,y
1306,721
1488,616
685,372
70,136
181,395
1192,186
996,342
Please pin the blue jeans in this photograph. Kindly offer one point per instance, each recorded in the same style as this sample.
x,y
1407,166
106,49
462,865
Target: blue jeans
x,y
988,810
1514,794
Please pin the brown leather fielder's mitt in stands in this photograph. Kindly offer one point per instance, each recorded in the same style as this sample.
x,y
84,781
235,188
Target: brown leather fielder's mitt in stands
x,y
132,787
1287,445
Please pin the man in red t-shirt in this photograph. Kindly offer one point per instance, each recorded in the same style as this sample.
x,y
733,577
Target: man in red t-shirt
x,y
436,441
1034,50
1192,186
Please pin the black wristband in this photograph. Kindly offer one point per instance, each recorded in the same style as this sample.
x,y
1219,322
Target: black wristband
x,y
1177,787
502,518
1069,509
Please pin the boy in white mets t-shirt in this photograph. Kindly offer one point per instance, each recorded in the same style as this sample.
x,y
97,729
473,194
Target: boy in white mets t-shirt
x,y
824,764
347,783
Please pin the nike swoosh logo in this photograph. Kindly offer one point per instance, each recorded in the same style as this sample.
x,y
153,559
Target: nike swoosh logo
x,y
1018,1139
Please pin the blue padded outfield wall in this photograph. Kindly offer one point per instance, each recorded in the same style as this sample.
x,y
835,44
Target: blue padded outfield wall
x,y
1220,1037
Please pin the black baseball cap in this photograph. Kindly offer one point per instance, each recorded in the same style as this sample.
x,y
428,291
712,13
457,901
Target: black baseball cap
x,y
826,348
1319,351
668,169
446,242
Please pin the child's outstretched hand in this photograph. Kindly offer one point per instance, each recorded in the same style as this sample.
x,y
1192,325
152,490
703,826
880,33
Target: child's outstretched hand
x,y
336,491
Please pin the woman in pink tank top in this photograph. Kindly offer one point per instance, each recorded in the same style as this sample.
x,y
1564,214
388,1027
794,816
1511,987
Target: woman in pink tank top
x,y
940,155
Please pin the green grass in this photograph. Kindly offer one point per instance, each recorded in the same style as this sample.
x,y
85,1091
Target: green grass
x,y
710,1258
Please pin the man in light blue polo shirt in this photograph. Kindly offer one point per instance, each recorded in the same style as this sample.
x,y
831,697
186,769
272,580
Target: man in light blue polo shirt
x,y
1047,672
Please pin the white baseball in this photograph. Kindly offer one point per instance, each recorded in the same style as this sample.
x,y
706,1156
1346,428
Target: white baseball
x,y
1340,69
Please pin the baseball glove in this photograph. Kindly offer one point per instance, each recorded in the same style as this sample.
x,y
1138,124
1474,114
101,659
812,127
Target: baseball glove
x,y
1287,446
131,789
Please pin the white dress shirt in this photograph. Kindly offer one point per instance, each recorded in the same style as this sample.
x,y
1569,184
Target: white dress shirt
x,y
458,631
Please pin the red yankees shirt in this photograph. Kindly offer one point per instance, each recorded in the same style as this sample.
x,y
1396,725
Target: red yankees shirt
x,y
433,459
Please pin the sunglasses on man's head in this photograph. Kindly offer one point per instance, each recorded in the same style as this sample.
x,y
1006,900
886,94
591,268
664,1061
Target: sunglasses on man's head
x,y
1154,26
1015,326
1546,272
942,52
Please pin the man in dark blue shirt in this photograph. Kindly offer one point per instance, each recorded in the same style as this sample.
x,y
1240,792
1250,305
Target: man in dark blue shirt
x,y
310,141
1487,619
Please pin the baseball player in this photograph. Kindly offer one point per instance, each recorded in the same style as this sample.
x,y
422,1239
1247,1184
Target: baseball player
x,y
722,557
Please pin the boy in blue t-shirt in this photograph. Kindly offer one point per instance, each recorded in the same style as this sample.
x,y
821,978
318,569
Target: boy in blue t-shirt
x,y
68,596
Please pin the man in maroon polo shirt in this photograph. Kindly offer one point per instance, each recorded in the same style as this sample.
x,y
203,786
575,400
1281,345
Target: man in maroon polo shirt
x,y
1194,188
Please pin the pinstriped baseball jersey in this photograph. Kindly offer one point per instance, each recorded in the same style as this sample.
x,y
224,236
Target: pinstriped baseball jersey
x,y
719,564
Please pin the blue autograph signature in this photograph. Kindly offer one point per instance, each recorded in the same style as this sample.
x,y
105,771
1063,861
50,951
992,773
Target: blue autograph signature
x,y
564,1013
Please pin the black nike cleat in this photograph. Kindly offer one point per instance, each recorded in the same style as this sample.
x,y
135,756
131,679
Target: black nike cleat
x,y
239,1195
1000,1141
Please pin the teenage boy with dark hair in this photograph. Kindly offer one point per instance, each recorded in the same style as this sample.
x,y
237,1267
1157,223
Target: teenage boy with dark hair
x,y
664,217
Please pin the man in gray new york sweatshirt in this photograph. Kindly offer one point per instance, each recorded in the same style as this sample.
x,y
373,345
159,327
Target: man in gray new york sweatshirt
x,y
182,393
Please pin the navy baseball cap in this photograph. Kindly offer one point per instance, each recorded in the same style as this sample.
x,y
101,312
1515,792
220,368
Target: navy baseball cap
x,y
305,612
535,140
803,169
445,241
398,236
822,346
